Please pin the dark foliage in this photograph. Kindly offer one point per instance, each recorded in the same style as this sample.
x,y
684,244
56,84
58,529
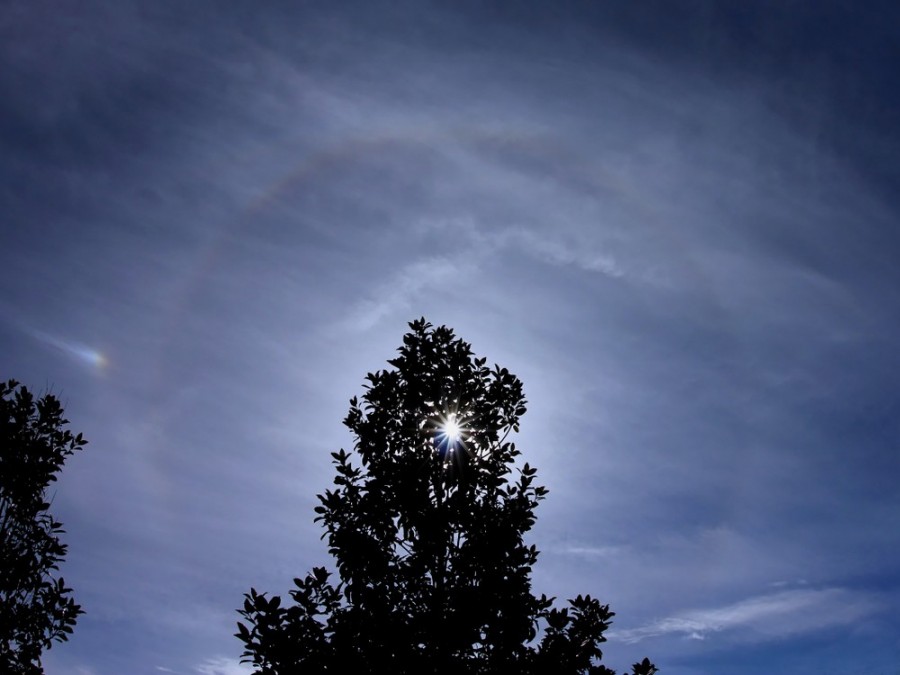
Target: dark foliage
x,y
35,607
427,531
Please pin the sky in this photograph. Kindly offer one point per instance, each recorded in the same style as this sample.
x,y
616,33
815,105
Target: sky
x,y
676,222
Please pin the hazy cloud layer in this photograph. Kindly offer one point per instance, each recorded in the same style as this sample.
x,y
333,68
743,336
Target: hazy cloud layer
x,y
676,224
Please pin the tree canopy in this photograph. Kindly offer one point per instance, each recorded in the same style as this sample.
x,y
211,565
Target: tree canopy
x,y
426,522
35,607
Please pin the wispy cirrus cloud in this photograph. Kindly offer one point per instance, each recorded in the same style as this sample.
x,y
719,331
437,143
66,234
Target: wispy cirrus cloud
x,y
222,665
761,618
402,290
474,239
593,551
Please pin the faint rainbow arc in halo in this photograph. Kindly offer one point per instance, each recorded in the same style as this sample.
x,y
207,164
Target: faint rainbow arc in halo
x,y
342,153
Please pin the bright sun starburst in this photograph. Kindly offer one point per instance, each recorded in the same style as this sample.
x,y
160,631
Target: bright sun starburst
x,y
449,436
451,430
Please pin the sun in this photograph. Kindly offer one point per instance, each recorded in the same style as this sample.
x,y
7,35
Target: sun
x,y
449,435
451,431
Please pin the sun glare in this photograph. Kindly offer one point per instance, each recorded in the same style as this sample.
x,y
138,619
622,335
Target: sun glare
x,y
449,436
451,430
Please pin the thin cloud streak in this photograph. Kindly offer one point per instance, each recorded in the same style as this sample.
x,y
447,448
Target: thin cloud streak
x,y
223,666
404,289
593,551
761,618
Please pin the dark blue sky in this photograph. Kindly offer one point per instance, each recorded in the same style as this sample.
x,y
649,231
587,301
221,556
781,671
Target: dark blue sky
x,y
676,222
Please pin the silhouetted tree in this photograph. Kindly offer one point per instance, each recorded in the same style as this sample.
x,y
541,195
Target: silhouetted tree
x,y
427,531
35,607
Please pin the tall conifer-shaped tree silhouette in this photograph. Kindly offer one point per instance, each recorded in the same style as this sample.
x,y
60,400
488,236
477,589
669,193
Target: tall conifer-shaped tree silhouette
x,y
426,522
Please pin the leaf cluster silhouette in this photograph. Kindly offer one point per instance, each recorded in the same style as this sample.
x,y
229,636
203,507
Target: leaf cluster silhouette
x,y
36,609
428,533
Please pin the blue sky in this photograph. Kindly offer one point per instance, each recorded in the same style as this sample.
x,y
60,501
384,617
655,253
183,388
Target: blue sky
x,y
676,222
